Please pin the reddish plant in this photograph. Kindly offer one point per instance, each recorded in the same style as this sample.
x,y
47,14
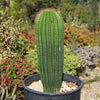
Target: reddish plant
x,y
73,33
13,71
30,38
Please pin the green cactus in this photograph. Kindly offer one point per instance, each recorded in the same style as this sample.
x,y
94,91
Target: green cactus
x,y
50,47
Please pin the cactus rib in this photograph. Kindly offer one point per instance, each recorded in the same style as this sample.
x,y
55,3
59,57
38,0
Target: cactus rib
x,y
50,46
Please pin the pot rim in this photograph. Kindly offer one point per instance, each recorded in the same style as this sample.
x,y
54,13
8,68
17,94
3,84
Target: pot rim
x,y
53,94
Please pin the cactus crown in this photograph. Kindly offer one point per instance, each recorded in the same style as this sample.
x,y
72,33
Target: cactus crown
x,y
50,47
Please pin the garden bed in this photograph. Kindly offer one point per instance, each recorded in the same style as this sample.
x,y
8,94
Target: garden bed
x,y
91,88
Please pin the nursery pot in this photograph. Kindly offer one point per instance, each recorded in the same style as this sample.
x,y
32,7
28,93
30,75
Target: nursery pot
x,y
36,95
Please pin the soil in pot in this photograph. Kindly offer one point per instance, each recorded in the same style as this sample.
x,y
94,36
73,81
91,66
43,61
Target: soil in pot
x,y
37,95
66,86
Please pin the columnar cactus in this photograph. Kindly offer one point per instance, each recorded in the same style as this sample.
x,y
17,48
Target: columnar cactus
x,y
50,46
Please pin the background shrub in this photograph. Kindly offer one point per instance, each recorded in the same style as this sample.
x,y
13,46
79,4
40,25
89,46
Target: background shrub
x,y
84,10
19,46
94,42
70,10
11,42
88,55
30,38
7,29
27,9
26,27
15,10
74,35
32,56
71,61
13,71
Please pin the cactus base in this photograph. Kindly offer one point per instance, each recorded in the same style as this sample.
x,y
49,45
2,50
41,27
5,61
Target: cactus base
x,y
36,95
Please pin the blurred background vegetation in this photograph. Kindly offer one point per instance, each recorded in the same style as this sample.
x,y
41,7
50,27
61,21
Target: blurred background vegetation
x,y
81,24
81,35
86,11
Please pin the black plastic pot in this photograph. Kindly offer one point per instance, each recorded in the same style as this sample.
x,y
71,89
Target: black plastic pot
x,y
36,95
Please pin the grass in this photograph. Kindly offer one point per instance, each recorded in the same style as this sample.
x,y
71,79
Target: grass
x,y
98,95
97,78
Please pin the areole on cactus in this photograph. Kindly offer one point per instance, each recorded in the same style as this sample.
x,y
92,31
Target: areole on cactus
x,y
50,46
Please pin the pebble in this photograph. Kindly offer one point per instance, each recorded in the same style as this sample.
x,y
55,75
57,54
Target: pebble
x,y
66,86
91,91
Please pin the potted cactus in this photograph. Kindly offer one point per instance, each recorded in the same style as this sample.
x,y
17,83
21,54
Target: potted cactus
x,y
50,46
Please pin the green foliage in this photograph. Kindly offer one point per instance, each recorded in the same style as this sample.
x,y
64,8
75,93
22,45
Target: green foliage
x,y
11,42
91,10
50,43
27,9
69,11
87,11
73,1
13,71
26,27
3,4
16,11
95,79
47,4
88,55
19,45
74,35
7,29
5,94
71,62
94,42
32,56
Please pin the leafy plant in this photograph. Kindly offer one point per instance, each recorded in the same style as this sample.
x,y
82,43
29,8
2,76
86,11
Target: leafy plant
x,y
26,26
27,9
93,15
88,55
32,56
16,10
11,42
5,94
19,45
7,29
71,62
94,42
13,71
69,11
74,35
30,38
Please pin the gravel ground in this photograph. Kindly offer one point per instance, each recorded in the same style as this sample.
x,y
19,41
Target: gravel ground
x,y
91,91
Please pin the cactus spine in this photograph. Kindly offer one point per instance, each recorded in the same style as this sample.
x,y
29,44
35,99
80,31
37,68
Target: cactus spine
x,y
50,47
